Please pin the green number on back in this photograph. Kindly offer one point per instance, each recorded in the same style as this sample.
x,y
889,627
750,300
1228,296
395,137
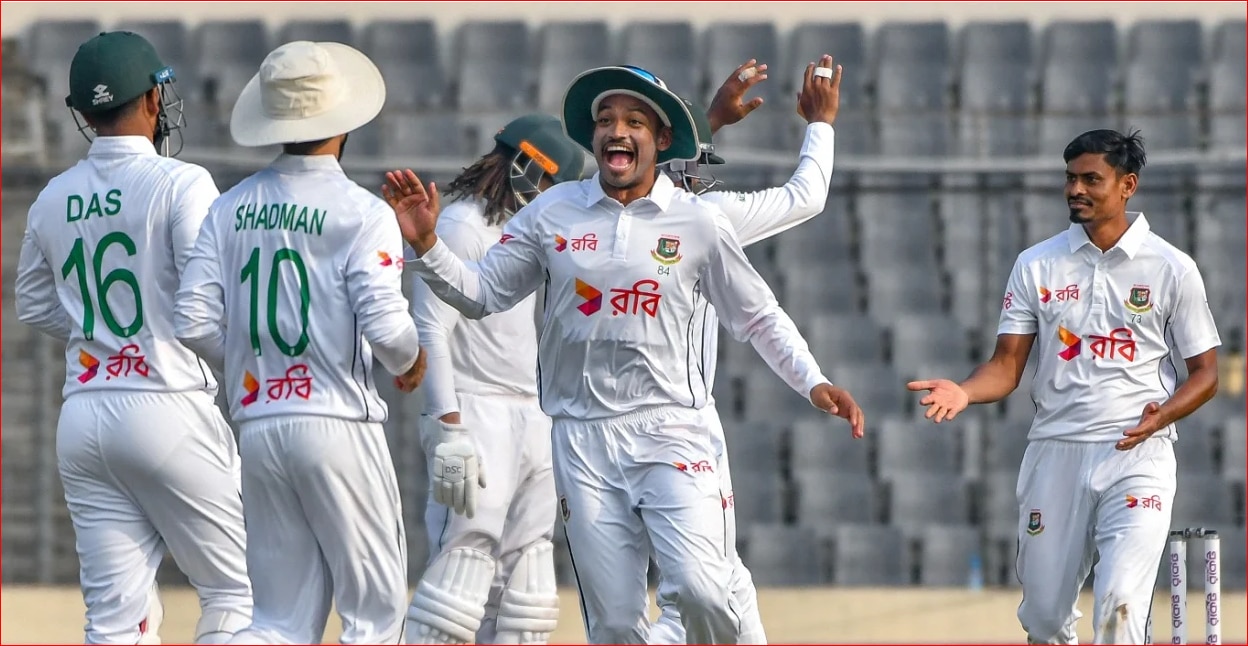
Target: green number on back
x,y
77,261
251,274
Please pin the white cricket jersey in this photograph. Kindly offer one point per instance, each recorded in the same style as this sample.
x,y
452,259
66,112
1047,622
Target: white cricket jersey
x,y
1105,324
105,244
492,356
622,290
295,282
758,215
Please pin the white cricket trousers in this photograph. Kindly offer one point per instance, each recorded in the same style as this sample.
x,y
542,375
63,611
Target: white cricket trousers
x,y
516,509
668,629
144,472
632,482
1080,498
323,524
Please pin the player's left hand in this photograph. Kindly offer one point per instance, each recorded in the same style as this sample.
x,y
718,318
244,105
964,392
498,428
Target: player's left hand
x,y
1150,422
456,474
820,97
837,401
729,105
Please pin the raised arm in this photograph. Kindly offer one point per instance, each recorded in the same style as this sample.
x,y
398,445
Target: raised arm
x,y
748,309
508,273
761,214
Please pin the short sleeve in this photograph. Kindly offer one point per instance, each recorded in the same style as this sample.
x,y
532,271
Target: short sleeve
x,y
1018,312
1192,322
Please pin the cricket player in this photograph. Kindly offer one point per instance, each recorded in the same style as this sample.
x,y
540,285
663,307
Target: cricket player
x,y
620,373
146,459
1106,301
295,284
491,572
755,216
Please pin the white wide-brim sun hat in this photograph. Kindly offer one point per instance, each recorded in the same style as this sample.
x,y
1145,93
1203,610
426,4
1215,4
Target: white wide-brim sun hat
x,y
307,91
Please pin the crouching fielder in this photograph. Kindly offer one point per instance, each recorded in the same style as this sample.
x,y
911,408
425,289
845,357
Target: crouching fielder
x,y
295,284
491,573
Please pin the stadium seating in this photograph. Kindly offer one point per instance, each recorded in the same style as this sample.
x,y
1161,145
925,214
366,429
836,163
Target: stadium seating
x,y
946,553
824,496
493,66
229,54
406,52
565,49
333,31
729,44
668,49
819,445
866,555
900,276
908,447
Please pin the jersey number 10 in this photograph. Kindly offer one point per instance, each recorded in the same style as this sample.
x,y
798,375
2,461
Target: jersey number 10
x,y
251,275
77,262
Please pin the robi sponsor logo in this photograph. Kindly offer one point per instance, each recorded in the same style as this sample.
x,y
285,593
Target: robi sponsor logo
x,y
1072,342
701,466
642,298
1120,343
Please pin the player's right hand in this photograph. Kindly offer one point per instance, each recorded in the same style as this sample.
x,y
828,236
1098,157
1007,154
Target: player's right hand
x,y
410,380
945,399
729,105
837,401
415,208
455,473
820,98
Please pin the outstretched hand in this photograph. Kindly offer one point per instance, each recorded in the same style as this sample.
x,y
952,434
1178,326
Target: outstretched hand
x,y
820,97
837,401
415,208
944,400
729,105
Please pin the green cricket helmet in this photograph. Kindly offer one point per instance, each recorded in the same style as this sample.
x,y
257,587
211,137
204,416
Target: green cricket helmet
x,y
688,173
580,104
115,68
541,149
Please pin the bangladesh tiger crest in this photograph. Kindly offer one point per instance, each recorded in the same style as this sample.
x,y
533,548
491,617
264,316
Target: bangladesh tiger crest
x,y
1140,300
1034,524
667,251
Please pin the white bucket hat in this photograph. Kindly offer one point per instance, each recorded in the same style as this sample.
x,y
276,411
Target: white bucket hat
x,y
307,91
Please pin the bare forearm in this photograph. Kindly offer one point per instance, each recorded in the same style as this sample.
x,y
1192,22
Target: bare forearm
x,y
991,382
1199,388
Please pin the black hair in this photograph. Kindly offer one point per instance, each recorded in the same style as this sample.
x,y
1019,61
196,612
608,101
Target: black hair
x,y
488,178
304,147
1124,153
109,118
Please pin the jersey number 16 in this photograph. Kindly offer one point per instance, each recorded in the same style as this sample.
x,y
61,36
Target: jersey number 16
x,y
251,276
77,263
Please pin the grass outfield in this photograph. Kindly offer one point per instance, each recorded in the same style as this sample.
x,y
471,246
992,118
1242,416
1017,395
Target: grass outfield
x,y
811,615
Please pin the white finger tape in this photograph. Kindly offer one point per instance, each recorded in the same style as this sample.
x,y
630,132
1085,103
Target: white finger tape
x,y
825,72
747,74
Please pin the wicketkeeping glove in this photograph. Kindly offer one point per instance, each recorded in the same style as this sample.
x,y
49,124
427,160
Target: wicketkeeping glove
x,y
454,472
